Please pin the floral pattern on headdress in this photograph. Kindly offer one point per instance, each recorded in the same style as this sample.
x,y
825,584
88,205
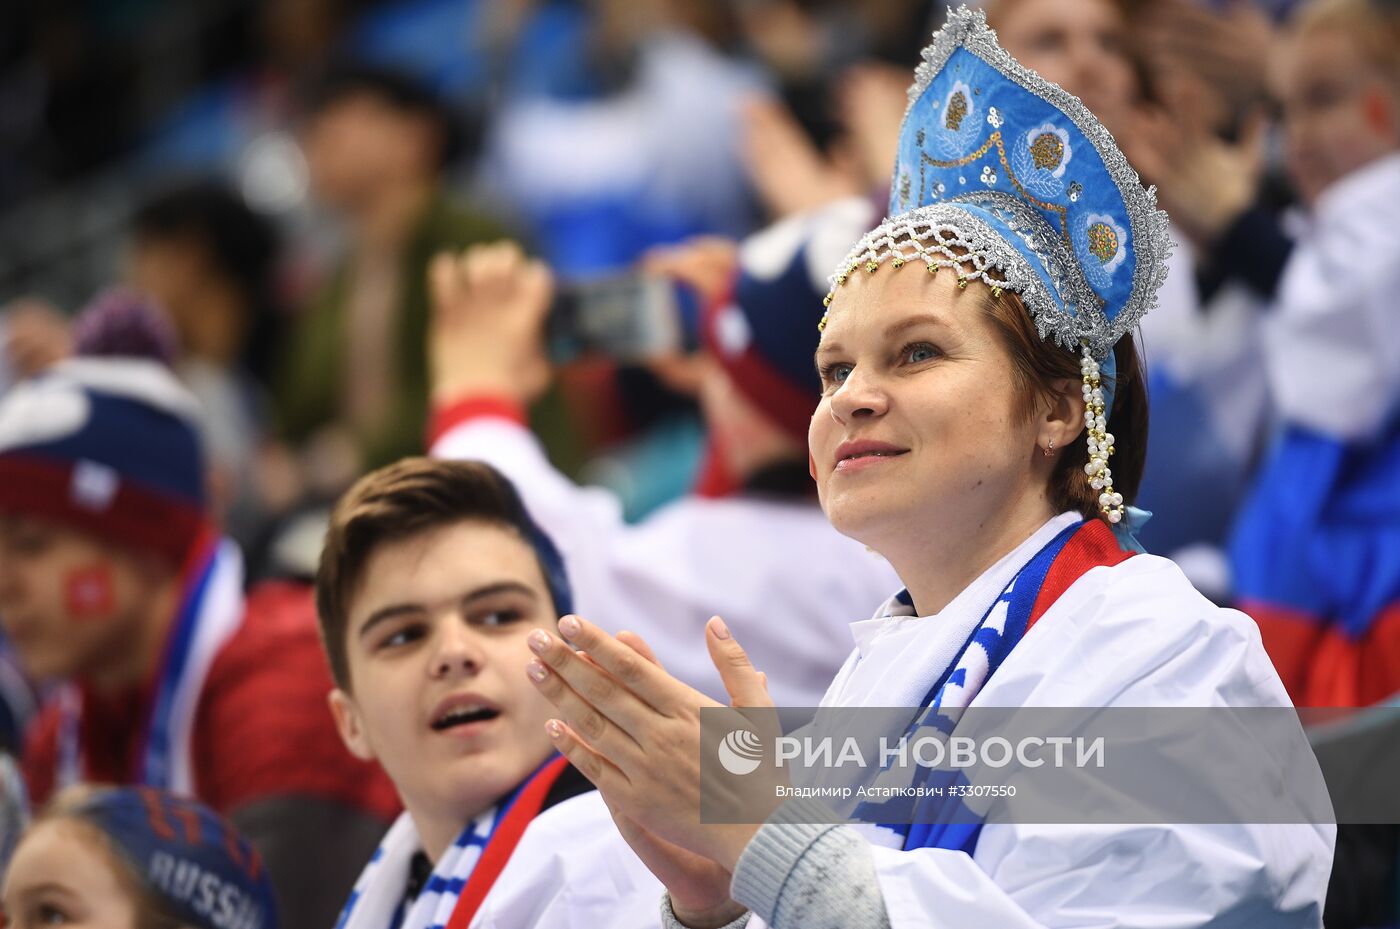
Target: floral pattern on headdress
x,y
1023,171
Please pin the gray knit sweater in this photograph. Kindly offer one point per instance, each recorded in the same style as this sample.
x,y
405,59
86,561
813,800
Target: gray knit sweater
x,y
799,872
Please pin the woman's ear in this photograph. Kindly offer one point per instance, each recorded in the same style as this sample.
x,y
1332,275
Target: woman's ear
x,y
1062,415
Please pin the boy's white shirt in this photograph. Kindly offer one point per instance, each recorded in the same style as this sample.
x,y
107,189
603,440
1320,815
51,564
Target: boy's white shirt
x,y
573,870
570,868
784,580
1135,634
1331,348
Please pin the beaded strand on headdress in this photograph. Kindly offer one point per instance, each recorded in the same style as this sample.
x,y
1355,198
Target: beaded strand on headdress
x,y
1100,440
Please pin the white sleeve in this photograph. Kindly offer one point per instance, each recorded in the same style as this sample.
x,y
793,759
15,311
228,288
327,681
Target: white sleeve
x,y
1163,877
555,502
1132,635
1332,355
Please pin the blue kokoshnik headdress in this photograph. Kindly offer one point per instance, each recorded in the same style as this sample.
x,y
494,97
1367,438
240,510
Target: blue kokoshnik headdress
x,y
1006,178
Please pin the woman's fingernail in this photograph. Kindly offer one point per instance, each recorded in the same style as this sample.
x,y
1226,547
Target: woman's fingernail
x,y
569,626
720,629
537,671
539,641
554,729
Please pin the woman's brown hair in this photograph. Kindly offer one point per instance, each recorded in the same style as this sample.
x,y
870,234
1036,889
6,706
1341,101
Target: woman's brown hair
x,y
1037,364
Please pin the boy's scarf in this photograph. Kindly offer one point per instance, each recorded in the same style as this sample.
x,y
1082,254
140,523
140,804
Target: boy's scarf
x,y
377,900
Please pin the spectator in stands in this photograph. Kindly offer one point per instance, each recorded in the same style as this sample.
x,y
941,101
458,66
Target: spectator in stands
x,y
210,263
432,584
135,858
754,545
1206,386
1316,554
376,145
114,578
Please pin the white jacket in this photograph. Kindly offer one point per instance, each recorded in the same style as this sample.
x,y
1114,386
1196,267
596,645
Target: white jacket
x,y
1135,634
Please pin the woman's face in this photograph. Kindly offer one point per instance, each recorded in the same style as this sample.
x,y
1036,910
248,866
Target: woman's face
x,y
61,875
919,427
1079,44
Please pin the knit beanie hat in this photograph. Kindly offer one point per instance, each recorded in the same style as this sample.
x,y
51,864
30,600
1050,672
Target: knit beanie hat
x,y
765,334
196,863
109,447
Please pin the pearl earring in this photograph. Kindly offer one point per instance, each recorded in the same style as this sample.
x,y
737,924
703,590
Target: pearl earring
x,y
1049,447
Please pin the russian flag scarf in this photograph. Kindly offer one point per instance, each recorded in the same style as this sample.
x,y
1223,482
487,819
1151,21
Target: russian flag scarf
x,y
464,874
1022,602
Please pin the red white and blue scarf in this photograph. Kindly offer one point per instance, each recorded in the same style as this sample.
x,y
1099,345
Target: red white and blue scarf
x,y
465,873
210,612
1022,602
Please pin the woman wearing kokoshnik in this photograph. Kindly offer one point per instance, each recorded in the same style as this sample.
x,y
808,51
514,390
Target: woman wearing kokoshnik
x,y
982,427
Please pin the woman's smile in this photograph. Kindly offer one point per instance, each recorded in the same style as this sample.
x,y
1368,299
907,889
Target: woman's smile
x,y
862,454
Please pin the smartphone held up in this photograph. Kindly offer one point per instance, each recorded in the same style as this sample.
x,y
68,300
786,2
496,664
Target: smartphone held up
x,y
629,317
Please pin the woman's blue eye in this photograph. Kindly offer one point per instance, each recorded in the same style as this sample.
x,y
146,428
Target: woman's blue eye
x,y
920,352
837,373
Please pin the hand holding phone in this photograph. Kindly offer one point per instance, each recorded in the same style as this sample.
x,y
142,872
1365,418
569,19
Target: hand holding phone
x,y
490,304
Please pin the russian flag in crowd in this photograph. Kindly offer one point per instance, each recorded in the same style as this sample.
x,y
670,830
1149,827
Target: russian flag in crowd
x,y
1316,561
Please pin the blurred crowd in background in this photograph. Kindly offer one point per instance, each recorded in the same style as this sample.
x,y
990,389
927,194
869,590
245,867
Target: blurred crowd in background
x,y
275,175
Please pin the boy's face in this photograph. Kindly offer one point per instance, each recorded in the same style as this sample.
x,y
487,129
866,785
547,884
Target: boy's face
x,y
67,602
1337,115
436,647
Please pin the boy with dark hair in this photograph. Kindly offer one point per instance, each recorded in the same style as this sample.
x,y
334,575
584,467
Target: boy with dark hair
x,y
210,263
432,581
